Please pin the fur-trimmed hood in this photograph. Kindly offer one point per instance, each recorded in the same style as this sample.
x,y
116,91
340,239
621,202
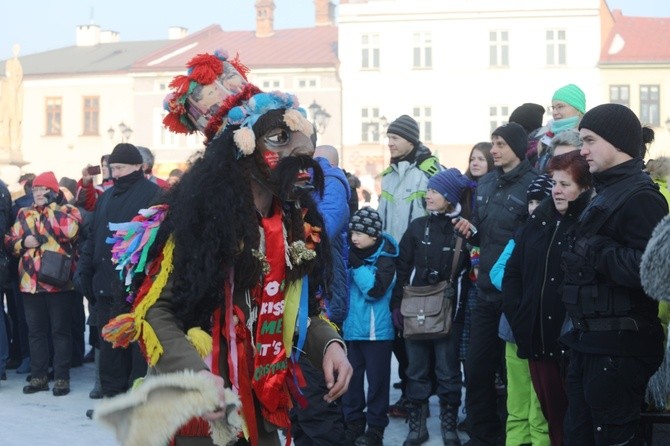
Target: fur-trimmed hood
x,y
655,265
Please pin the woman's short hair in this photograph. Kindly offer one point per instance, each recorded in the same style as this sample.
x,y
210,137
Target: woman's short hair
x,y
574,163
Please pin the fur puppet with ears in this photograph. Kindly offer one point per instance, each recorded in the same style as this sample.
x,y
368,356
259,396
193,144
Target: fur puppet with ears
x,y
655,265
151,412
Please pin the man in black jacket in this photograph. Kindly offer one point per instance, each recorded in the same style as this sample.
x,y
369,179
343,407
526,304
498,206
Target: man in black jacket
x,y
617,340
97,277
501,210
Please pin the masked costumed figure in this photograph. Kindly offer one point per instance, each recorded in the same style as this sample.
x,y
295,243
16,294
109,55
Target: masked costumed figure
x,y
224,277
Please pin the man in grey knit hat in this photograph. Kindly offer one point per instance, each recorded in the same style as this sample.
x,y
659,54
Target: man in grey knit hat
x,y
404,184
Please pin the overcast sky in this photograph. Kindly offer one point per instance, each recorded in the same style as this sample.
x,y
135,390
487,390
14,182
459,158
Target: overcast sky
x,y
40,25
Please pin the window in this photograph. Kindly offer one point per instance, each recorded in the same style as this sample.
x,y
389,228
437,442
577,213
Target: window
x,y
91,115
370,51
54,108
306,82
498,49
650,105
619,94
423,50
271,84
423,118
498,115
371,127
556,47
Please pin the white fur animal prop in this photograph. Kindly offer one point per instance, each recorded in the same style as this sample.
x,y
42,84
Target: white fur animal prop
x,y
655,265
151,413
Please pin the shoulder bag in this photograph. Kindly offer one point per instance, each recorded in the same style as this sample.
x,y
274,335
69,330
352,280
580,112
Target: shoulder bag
x,y
55,269
427,309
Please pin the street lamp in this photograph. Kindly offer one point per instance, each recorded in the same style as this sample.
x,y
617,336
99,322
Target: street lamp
x,y
123,129
320,117
667,124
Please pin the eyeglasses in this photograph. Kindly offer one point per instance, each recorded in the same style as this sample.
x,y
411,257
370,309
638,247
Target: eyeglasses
x,y
557,107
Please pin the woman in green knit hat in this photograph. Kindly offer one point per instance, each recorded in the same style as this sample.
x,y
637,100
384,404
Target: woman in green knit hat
x,y
568,105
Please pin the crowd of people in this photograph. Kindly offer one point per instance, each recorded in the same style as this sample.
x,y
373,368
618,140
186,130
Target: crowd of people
x,y
539,243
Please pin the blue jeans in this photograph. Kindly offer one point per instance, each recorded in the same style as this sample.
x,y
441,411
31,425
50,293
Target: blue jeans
x,y
447,368
371,359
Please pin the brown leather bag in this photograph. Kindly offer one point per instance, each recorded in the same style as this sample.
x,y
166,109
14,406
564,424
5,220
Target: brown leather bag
x,y
427,309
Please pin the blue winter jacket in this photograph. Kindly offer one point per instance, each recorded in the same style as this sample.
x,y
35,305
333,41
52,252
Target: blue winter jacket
x,y
369,318
334,208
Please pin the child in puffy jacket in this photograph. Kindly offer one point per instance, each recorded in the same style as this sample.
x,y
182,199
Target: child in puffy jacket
x,y
368,329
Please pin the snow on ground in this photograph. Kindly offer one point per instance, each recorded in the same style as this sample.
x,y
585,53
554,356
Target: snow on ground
x,y
42,419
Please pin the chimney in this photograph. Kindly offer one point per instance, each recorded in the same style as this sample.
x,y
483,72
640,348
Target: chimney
x,y
108,36
177,32
88,35
265,18
325,12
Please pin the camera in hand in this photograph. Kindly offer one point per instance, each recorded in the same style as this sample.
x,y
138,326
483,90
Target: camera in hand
x,y
431,276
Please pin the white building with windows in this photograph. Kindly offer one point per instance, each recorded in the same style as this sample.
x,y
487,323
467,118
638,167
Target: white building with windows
x,y
458,67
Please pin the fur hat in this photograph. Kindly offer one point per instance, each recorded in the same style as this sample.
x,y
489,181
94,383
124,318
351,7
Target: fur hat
x,y
655,264
515,137
450,184
125,153
152,412
48,180
406,127
571,95
618,125
367,221
539,188
528,115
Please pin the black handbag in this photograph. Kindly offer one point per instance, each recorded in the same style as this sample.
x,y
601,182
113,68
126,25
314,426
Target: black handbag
x,y
55,269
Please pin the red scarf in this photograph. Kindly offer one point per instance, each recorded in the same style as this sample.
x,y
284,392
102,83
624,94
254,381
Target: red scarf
x,y
271,367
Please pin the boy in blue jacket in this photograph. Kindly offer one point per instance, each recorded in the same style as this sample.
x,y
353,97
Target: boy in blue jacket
x,y
368,329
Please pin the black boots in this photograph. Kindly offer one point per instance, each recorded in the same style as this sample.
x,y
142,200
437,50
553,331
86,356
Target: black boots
x,y
37,385
61,387
448,423
354,430
372,437
418,433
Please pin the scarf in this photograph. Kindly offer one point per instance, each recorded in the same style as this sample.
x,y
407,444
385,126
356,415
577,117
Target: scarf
x,y
271,367
124,183
564,124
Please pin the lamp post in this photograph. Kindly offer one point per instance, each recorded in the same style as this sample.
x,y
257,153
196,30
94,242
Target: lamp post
x,y
124,130
320,117
667,124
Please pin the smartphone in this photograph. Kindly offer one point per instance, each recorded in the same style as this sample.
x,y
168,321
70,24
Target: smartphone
x,y
93,170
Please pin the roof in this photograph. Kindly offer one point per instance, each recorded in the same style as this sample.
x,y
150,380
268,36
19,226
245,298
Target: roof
x,y
286,48
637,40
101,58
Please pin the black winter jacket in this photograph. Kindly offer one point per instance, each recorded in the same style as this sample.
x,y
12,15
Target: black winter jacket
x,y
615,252
95,270
532,299
437,254
501,209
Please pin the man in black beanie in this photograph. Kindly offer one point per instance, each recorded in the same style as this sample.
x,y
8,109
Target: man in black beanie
x,y
617,340
501,210
96,276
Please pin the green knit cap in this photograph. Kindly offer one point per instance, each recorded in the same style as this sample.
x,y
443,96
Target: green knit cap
x,y
571,95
